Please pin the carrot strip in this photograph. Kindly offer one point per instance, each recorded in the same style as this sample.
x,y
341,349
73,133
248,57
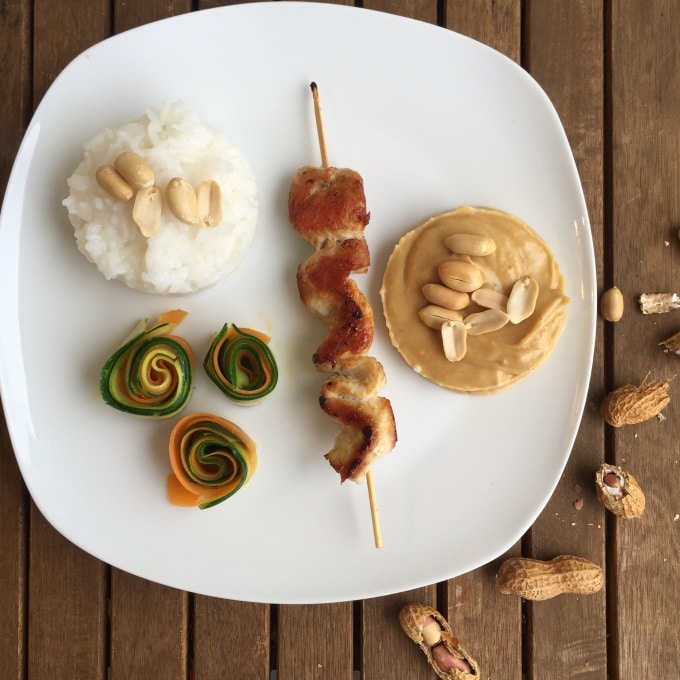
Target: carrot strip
x,y
174,316
211,459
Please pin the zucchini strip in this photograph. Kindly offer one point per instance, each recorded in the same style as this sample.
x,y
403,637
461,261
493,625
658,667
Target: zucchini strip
x,y
151,373
211,460
241,364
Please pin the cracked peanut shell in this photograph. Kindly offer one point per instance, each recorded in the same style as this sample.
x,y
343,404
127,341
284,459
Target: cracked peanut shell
x,y
412,618
672,344
619,492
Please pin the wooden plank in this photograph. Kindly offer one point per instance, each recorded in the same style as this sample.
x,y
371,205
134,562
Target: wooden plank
x,y
127,15
149,629
231,639
496,23
315,641
645,205
488,624
67,607
67,588
576,625
15,93
15,88
61,31
424,10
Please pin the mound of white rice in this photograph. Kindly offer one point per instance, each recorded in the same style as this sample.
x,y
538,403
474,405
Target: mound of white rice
x,y
178,258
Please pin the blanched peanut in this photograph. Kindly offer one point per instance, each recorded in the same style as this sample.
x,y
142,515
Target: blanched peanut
x,y
460,275
146,210
454,340
434,316
522,299
135,170
445,297
470,244
182,200
611,305
113,183
487,321
209,197
490,298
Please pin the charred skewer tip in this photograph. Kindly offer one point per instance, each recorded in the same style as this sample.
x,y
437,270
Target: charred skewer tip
x,y
319,125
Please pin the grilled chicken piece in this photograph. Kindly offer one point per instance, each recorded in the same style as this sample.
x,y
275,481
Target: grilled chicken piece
x,y
368,431
326,289
368,428
327,203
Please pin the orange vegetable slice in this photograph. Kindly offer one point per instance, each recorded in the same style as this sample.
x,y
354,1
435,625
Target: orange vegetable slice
x,y
211,459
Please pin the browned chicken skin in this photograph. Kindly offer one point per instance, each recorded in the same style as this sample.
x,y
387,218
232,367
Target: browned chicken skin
x,y
326,289
327,203
327,207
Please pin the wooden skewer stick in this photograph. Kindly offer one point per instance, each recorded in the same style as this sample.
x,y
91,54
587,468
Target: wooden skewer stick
x,y
377,536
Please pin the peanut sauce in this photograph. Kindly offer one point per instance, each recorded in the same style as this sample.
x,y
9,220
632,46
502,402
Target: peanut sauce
x,y
494,360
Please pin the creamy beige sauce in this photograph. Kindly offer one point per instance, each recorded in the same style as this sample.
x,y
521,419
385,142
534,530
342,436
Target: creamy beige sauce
x,y
495,360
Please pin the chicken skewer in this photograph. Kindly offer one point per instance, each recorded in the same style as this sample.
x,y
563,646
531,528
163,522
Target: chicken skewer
x,y
327,207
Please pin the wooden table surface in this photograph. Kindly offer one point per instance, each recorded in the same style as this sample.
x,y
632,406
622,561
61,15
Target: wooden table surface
x,y
612,70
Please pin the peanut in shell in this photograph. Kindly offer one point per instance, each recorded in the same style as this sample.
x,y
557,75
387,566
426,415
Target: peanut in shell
x,y
446,653
540,580
631,404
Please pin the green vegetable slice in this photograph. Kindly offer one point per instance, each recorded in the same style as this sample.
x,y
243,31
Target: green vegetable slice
x,y
241,364
211,459
150,374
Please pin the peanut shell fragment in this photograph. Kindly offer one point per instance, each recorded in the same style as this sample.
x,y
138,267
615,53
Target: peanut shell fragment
x,y
630,404
672,344
541,580
619,492
444,653
658,303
